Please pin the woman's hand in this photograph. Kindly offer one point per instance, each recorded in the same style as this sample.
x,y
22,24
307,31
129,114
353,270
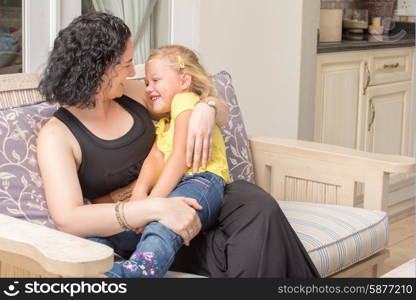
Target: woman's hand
x,y
179,215
199,140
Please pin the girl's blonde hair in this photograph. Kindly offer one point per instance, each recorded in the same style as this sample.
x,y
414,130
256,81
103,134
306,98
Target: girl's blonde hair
x,y
183,59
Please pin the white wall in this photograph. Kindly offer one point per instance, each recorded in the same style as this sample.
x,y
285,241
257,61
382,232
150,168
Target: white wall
x,y
266,47
185,22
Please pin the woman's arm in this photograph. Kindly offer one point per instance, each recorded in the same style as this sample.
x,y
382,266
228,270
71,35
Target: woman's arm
x,y
221,110
200,129
175,165
63,192
151,169
65,201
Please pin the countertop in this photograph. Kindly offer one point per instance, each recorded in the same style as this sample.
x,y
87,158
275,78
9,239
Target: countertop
x,y
369,42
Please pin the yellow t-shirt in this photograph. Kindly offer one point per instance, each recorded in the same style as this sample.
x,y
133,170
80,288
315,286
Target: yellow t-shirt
x,y
182,102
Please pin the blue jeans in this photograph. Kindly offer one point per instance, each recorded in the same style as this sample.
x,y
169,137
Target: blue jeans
x,y
155,249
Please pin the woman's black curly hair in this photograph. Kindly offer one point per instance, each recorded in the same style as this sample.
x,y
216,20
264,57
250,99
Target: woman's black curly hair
x,y
82,53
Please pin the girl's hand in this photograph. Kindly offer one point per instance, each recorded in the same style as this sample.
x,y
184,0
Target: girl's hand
x,y
139,230
122,194
136,195
199,140
179,215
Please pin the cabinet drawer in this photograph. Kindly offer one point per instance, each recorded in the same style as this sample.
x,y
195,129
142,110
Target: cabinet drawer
x,y
390,65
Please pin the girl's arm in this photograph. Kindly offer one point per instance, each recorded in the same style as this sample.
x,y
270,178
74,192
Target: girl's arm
x,y
151,169
175,166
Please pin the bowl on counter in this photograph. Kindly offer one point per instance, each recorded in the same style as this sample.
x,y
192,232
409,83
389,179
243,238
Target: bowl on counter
x,y
355,20
375,30
355,24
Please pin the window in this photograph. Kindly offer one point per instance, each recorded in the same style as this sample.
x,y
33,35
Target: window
x,y
10,36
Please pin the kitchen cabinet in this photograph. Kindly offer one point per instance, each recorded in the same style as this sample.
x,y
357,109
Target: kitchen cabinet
x,y
340,78
364,101
386,116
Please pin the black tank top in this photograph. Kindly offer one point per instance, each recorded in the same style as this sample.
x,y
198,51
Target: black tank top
x,y
110,164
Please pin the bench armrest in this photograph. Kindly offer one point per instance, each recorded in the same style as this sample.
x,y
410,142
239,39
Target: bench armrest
x,y
308,171
56,252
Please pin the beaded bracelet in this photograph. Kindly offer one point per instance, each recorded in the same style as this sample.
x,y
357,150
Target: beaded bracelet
x,y
121,219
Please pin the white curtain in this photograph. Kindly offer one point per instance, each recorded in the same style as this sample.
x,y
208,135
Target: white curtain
x,y
137,14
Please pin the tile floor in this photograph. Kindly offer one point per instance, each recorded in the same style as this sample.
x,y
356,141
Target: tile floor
x,y
402,243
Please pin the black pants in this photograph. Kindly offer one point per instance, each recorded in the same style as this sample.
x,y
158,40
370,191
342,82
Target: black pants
x,y
251,239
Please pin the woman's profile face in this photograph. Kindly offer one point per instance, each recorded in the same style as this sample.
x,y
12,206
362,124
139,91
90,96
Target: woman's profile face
x,y
113,79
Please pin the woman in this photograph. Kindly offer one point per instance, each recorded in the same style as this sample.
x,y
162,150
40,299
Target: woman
x,y
95,144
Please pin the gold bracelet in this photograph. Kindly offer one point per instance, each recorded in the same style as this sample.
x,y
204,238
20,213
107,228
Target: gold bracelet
x,y
121,219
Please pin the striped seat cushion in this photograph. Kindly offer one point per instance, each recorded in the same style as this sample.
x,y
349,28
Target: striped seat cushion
x,y
335,236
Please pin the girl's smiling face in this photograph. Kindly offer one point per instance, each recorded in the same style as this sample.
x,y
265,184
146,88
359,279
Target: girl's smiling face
x,y
163,82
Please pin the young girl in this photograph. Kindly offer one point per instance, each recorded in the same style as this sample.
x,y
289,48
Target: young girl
x,y
175,83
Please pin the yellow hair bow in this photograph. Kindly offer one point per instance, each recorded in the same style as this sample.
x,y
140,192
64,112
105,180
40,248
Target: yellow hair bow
x,y
181,62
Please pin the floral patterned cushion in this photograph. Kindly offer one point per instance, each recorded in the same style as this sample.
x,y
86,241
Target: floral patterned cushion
x,y
235,136
21,192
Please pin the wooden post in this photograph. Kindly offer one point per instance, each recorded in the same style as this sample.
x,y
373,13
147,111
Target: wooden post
x,y
375,191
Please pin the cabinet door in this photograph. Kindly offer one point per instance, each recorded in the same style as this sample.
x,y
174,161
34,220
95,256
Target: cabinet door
x,y
340,82
385,126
